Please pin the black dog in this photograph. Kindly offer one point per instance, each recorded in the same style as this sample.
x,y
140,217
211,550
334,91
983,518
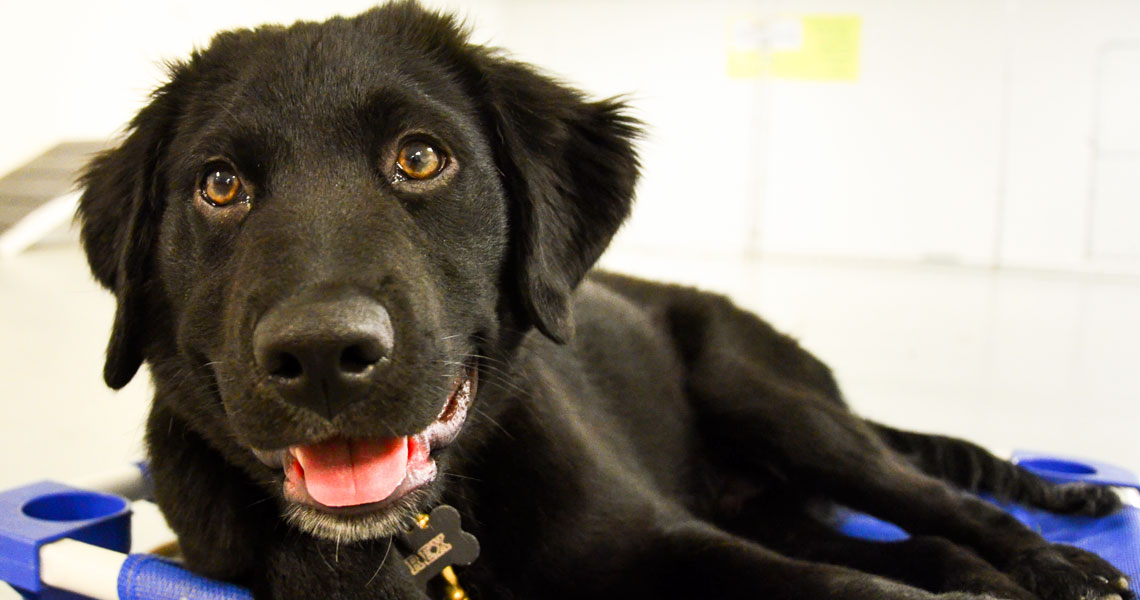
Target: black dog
x,y
350,253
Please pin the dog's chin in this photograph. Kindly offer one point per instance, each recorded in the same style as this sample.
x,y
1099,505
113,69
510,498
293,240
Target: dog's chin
x,y
354,489
366,522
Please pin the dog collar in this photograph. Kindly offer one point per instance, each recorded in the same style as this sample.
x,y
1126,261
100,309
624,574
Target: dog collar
x,y
434,546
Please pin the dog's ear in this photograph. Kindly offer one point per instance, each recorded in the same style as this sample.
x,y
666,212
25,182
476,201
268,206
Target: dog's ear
x,y
569,169
119,212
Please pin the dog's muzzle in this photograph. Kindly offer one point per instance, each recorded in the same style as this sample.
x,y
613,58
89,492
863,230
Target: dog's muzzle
x,y
324,351
362,474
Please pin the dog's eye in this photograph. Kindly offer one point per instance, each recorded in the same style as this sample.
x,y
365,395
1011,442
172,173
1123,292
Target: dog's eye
x,y
221,186
420,160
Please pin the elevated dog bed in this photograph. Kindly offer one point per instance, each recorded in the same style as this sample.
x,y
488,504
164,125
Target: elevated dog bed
x,y
60,542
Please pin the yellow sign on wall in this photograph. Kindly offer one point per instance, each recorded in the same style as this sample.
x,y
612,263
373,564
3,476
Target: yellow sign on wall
x,y
804,47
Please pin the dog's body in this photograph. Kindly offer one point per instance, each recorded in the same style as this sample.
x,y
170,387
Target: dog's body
x,y
350,253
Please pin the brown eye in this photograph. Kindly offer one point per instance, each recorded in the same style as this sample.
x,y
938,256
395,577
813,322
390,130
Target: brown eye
x,y
420,160
221,187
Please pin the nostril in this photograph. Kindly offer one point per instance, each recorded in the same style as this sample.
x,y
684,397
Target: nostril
x,y
284,365
323,349
357,358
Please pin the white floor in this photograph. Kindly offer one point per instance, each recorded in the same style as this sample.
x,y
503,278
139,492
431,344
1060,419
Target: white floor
x,y
1011,360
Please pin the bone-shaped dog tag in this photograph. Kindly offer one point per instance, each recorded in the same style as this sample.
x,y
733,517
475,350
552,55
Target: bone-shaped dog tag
x,y
437,545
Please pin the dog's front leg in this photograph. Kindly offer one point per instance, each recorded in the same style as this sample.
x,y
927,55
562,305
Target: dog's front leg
x,y
696,560
757,423
219,515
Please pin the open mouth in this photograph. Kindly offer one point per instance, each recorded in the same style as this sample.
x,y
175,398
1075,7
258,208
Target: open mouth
x,y
343,476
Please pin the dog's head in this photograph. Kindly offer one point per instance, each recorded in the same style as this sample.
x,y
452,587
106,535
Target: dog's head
x,y
318,235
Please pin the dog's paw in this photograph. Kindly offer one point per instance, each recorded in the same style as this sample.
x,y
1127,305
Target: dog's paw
x,y
1098,569
1059,572
1080,498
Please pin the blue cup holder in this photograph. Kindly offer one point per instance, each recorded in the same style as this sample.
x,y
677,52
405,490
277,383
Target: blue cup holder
x,y
1060,469
73,506
1063,467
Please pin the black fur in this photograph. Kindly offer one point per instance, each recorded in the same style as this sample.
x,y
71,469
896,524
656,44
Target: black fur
x,y
661,443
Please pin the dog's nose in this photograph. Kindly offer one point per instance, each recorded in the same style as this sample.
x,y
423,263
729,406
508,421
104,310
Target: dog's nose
x,y
322,351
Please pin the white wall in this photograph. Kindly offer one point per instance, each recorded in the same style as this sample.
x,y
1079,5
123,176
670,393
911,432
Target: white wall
x,y
903,163
1074,87
669,57
982,132
970,137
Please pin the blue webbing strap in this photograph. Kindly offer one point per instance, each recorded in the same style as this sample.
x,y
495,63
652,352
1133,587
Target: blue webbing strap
x,y
148,577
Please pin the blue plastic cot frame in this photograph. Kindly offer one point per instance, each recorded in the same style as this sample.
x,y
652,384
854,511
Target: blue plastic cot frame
x,y
48,522
81,537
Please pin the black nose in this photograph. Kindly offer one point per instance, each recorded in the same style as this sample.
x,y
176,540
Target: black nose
x,y
322,350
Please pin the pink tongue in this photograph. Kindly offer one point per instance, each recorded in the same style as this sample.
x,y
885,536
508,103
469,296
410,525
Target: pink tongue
x,y
343,472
